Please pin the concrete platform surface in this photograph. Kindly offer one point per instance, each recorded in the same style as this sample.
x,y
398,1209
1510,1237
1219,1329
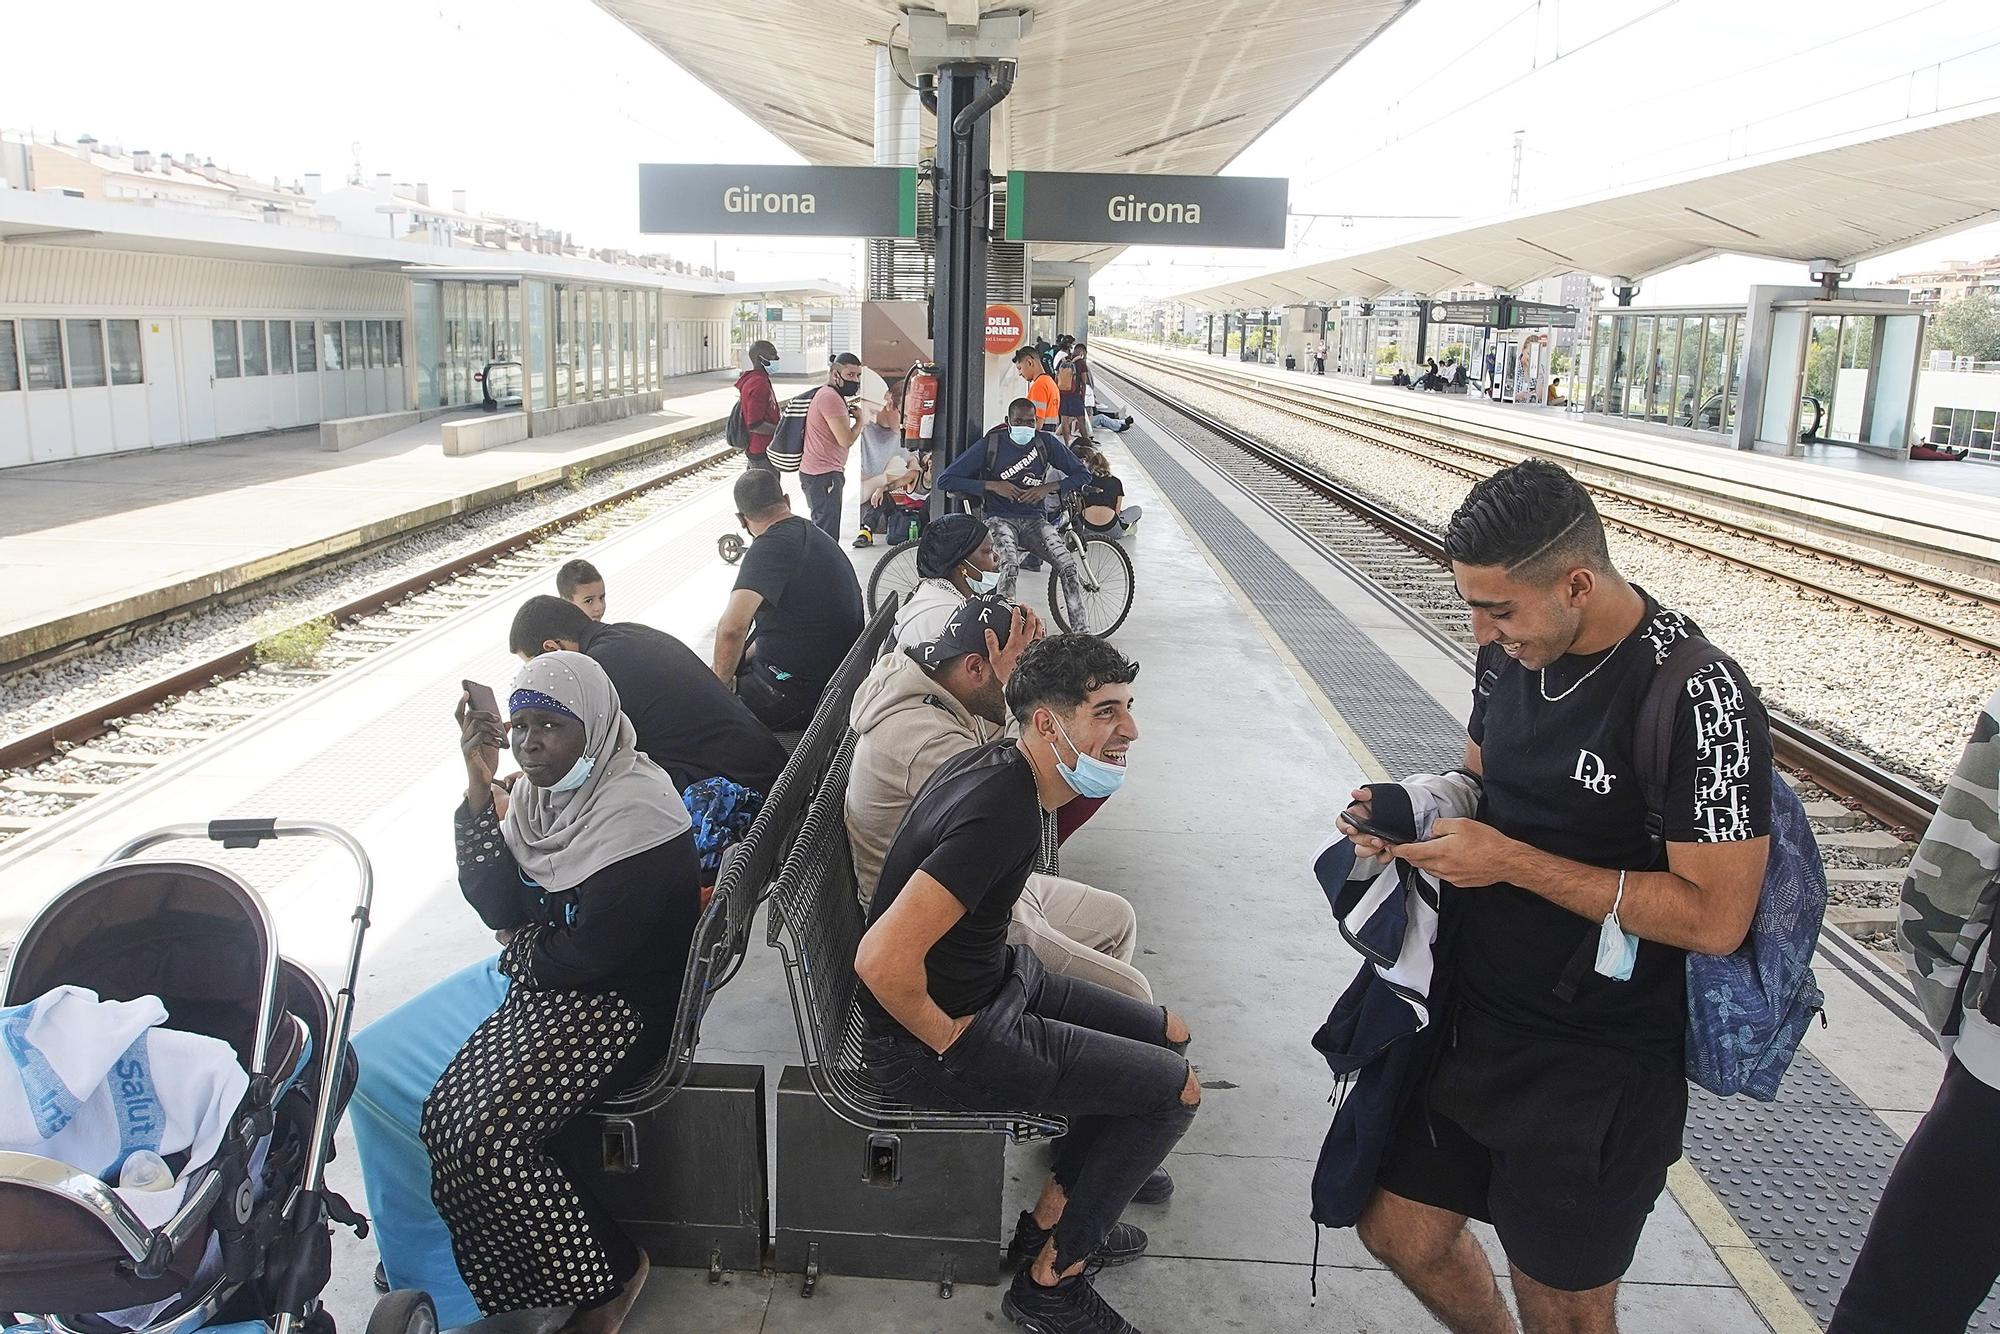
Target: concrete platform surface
x,y
1235,781
90,544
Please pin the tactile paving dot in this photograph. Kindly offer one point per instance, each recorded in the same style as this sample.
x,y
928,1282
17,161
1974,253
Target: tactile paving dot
x,y
1800,1175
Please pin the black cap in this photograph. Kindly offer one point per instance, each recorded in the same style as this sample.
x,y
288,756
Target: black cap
x,y
947,541
966,631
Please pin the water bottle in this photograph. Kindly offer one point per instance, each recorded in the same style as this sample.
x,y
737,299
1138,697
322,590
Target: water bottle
x,y
145,1170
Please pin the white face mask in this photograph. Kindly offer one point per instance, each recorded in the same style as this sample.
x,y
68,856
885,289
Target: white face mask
x,y
578,775
981,581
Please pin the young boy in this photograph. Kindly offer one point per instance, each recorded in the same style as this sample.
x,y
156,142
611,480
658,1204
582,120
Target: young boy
x,y
578,581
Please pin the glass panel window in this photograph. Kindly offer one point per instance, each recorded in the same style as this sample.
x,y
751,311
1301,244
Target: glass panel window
x,y
1688,374
392,342
1666,360
331,353
1642,366
375,353
1708,397
596,343
10,359
281,347
1940,425
126,366
1982,431
253,348
41,347
222,334
1600,361
357,346
305,347
514,343
1734,357
1822,367
86,354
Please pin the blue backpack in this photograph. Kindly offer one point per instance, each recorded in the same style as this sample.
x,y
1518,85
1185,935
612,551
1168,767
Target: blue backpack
x,y
1747,1011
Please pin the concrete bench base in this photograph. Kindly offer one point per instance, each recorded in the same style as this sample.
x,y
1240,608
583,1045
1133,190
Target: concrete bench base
x,y
483,432
347,432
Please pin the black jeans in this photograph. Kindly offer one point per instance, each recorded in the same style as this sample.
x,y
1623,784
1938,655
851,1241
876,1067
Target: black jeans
x,y
823,497
1933,1247
1061,1046
757,460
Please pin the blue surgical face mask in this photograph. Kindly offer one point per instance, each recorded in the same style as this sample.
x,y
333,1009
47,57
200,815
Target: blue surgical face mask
x,y
1617,948
1021,435
981,581
578,775
1089,776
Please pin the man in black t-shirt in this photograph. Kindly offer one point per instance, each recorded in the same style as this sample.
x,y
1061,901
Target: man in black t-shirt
x,y
1558,1101
795,612
688,723
958,1018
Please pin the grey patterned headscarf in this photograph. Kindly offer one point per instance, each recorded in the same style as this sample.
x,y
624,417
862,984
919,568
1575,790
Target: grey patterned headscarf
x,y
627,805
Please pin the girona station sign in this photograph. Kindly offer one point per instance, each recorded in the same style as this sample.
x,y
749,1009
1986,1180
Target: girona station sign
x,y
709,199
1235,211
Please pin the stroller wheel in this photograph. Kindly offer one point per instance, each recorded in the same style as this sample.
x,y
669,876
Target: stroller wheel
x,y
319,1322
381,1277
730,547
405,1312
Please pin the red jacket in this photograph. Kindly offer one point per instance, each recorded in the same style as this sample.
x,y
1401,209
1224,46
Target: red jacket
x,y
760,407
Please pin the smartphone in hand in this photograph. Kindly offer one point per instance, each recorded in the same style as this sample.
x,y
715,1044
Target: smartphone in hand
x,y
1373,830
482,698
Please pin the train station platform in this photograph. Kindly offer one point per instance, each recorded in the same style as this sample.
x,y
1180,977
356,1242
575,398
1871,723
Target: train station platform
x,y
1271,684
1948,512
91,545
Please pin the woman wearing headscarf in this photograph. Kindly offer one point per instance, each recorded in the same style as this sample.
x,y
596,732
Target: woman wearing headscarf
x,y
591,882
954,560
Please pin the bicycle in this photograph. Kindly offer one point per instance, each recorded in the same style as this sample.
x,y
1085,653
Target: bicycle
x,y
1104,564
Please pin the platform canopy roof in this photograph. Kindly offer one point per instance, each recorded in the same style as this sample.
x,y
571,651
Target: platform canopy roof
x,y
1845,199
1101,85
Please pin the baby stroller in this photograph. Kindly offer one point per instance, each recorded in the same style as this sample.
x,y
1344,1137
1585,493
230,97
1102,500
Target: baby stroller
x,y
252,1238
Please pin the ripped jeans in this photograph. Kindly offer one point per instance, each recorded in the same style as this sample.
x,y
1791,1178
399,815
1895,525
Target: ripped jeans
x,y
1062,1046
1011,535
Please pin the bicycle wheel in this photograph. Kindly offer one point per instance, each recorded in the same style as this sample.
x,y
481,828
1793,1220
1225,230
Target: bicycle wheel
x,y
895,573
1107,587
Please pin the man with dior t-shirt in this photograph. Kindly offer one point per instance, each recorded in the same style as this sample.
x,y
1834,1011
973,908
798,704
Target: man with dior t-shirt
x,y
1558,1101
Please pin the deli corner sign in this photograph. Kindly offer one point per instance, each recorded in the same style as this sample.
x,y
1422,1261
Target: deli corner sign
x,y
1231,211
777,201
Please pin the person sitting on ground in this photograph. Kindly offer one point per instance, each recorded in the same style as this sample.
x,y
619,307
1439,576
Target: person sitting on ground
x,y
886,466
579,582
590,881
794,613
1458,378
1101,494
1015,489
956,1017
922,705
1400,378
687,722
955,561
1556,397
1042,391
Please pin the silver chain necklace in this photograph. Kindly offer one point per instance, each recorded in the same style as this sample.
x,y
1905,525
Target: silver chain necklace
x,y
1542,676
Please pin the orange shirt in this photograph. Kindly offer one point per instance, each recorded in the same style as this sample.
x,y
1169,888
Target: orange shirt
x,y
1048,403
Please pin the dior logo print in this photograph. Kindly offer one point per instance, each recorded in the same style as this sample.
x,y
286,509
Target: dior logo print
x,y
1722,755
1590,772
1663,632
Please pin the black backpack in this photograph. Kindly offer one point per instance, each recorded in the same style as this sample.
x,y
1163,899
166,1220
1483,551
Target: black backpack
x,y
992,445
734,431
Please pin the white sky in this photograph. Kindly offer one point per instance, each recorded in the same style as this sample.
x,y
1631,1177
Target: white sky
x,y
542,108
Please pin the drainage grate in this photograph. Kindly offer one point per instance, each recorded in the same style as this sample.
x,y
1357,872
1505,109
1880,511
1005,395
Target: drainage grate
x,y
1800,1175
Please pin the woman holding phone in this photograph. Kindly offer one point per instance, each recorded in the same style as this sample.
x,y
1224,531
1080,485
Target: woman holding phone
x,y
591,882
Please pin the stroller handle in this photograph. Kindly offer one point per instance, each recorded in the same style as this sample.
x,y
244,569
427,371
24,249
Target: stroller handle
x,y
250,833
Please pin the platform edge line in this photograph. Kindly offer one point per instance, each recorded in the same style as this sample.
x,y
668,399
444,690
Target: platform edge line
x,y
1759,1282
1371,767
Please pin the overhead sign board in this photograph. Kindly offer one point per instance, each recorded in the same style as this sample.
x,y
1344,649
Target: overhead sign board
x,y
1234,211
1539,314
1502,313
1482,313
708,199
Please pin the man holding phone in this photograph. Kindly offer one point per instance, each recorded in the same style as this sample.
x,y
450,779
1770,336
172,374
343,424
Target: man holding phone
x,y
1556,1106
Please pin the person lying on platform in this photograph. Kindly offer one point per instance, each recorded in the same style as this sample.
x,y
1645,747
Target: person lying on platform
x,y
957,1017
578,581
794,613
955,560
925,704
721,758
590,882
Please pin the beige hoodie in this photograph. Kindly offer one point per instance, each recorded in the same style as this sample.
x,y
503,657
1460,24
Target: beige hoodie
x,y
908,725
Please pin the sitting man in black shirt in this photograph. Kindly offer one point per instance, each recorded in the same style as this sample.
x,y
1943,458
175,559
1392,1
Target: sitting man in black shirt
x,y
794,614
1559,1099
958,1018
688,722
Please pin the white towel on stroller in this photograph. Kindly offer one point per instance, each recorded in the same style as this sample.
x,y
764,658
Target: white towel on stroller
x,y
94,1081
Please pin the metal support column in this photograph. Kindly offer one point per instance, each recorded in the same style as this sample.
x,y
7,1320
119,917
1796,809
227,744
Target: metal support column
x,y
1423,334
965,93
1208,341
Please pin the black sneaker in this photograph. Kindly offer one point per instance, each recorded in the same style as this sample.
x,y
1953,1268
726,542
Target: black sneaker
x,y
1121,1246
1127,424
1158,1189
1072,1306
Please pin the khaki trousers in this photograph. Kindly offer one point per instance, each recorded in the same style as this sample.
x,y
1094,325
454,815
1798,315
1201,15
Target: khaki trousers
x,y
1078,931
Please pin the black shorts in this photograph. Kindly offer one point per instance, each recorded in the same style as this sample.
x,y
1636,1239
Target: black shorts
x,y
1562,1146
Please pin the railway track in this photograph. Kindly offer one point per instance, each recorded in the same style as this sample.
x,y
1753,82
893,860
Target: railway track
x,y
1965,616
1379,542
46,772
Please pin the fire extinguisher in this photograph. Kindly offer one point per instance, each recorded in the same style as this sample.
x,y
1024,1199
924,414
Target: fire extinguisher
x,y
920,395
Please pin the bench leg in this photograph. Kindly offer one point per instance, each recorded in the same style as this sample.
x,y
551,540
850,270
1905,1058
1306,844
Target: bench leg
x,y
812,1270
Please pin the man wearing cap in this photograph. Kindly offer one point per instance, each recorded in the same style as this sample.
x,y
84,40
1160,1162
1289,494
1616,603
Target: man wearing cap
x,y
831,430
931,701
759,403
955,560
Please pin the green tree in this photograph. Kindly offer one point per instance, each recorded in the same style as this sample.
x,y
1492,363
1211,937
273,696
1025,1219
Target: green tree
x,y
1969,327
